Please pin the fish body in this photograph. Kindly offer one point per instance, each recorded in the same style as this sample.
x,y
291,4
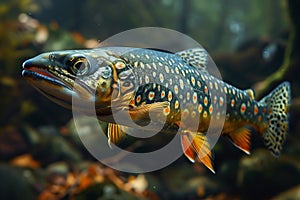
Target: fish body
x,y
161,87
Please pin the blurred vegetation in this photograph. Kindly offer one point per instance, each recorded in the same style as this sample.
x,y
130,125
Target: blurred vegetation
x,y
254,43
14,40
217,25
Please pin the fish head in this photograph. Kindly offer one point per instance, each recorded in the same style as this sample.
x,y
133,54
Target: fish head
x,y
86,76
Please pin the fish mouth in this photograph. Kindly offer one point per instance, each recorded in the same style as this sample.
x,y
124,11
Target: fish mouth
x,y
42,74
57,86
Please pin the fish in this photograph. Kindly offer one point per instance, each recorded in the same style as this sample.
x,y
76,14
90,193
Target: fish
x,y
161,87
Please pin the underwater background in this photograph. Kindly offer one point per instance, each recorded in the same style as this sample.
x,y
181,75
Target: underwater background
x,y
255,44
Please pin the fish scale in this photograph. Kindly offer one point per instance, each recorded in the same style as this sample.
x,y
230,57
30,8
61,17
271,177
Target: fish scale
x,y
172,85
163,79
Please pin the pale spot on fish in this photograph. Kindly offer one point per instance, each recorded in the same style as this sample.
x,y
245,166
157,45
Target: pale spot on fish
x,y
154,65
211,109
154,74
216,86
188,95
170,96
199,84
153,85
162,94
176,89
166,111
200,108
221,101
138,99
161,77
135,64
176,105
147,79
167,69
194,97
183,73
181,83
204,114
232,103
243,108
151,95
185,114
225,90
193,80
205,101
233,91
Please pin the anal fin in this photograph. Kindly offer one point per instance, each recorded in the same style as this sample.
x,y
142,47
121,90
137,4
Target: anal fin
x,y
195,145
241,139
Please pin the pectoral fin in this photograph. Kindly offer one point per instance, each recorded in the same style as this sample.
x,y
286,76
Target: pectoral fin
x,y
115,133
195,145
188,148
139,113
241,139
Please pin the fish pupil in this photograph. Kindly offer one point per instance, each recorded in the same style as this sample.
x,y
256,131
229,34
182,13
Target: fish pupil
x,y
81,66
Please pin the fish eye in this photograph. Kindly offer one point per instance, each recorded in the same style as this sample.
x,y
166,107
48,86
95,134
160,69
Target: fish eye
x,y
80,65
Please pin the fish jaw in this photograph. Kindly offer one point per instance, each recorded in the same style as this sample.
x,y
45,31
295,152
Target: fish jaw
x,y
54,81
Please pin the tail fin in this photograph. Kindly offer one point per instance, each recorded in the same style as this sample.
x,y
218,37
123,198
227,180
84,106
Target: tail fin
x,y
278,103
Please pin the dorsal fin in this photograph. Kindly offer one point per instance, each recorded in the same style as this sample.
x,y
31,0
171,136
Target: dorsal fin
x,y
196,57
251,94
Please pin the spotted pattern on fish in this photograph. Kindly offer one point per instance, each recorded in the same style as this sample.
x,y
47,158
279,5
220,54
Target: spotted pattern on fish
x,y
175,85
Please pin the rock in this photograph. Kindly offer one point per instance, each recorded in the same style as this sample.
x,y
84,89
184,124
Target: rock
x,y
16,183
182,181
266,175
86,127
105,191
52,148
58,167
291,194
12,143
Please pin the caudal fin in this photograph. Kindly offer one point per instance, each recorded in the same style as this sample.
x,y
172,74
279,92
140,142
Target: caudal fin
x,y
278,103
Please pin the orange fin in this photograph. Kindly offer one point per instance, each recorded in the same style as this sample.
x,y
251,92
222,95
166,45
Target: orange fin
x,y
188,149
241,139
195,145
115,133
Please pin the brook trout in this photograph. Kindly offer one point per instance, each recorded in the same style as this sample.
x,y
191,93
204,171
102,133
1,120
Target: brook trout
x,y
176,87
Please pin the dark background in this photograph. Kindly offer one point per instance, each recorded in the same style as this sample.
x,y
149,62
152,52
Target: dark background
x,y
255,44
